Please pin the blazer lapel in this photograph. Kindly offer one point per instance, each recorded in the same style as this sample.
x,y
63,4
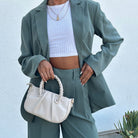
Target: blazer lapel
x,y
77,22
41,24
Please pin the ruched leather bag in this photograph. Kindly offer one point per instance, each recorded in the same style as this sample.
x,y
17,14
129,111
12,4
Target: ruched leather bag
x,y
46,104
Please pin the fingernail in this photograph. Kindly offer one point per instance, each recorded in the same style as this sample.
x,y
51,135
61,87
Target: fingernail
x,y
81,72
46,81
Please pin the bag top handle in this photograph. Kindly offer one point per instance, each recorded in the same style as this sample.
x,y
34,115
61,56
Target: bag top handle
x,y
59,82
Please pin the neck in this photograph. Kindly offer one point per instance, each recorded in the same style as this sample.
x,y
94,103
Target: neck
x,y
55,2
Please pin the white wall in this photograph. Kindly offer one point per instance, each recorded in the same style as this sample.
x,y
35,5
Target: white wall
x,y
121,74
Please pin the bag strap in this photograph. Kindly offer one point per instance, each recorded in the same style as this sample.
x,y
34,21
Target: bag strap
x,y
59,82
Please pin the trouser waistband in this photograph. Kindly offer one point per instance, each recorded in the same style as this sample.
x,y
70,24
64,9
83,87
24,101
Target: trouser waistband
x,y
67,73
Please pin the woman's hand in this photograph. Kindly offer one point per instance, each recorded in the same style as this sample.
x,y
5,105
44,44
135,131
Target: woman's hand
x,y
45,70
87,71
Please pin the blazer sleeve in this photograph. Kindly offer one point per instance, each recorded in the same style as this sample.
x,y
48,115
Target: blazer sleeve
x,y
111,41
28,61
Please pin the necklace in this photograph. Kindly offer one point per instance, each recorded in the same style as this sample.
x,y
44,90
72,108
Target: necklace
x,y
59,11
57,19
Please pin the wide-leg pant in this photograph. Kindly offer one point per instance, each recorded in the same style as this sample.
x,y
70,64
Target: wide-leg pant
x,y
80,122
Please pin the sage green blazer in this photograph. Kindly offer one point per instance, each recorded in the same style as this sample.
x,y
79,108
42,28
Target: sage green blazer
x,y
87,19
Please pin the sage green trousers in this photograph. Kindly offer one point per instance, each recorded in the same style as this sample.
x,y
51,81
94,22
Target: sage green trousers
x,y
80,122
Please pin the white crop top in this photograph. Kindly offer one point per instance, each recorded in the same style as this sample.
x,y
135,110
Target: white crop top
x,y
60,33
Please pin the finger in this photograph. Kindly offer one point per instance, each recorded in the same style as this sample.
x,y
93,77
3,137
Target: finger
x,y
52,73
83,67
86,74
86,78
83,78
45,76
89,73
85,71
48,74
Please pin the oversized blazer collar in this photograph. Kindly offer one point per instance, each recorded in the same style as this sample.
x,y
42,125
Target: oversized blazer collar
x,y
41,24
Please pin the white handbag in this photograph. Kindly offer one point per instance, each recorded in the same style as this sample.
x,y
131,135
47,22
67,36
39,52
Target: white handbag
x,y
46,104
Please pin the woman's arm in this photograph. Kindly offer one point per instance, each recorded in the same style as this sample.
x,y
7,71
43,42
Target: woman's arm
x,y
111,42
27,60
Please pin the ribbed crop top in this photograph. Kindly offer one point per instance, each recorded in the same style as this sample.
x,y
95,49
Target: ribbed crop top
x,y
60,33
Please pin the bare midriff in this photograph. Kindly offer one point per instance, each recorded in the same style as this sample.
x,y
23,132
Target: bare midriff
x,y
69,62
